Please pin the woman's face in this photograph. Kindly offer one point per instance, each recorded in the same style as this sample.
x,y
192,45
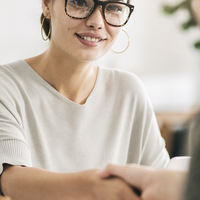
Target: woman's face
x,y
85,39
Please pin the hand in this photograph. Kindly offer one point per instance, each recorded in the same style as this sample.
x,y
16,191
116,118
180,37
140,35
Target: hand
x,y
153,184
22,183
105,189
5,198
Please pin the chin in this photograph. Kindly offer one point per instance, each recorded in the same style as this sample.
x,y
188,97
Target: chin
x,y
91,57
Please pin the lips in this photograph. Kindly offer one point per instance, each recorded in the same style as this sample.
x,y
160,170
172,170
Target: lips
x,y
90,37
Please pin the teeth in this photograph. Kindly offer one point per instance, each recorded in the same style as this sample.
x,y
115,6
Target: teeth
x,y
90,39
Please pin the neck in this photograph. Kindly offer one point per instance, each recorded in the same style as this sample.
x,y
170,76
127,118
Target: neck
x,y
73,79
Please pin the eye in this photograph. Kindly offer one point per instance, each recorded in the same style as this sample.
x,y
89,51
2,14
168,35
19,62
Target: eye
x,y
79,3
114,8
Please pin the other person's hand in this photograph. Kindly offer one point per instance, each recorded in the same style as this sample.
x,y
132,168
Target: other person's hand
x,y
106,189
153,184
5,198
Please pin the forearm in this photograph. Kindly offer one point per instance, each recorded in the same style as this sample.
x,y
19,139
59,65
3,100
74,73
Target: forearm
x,y
22,183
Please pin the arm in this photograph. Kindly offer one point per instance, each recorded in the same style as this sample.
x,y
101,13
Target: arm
x,y
153,184
22,183
154,151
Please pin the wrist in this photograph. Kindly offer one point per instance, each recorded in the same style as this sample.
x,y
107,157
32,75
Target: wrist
x,y
79,185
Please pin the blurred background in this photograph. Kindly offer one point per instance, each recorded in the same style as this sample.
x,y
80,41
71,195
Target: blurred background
x,y
160,53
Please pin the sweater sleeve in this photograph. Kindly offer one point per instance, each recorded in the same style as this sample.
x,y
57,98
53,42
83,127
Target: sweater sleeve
x,y
146,147
154,152
13,146
152,145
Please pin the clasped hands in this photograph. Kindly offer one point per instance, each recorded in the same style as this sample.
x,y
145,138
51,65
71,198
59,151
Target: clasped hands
x,y
152,184
119,183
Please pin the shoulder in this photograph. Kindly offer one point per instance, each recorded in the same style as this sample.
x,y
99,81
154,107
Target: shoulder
x,y
12,74
123,80
126,88
11,81
12,70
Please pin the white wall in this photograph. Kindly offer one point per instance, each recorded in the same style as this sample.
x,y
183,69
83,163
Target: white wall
x,y
160,53
20,29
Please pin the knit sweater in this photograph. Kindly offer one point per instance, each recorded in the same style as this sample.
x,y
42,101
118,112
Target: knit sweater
x,y
41,128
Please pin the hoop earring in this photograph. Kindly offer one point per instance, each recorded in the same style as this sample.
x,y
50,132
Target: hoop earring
x,y
45,39
127,45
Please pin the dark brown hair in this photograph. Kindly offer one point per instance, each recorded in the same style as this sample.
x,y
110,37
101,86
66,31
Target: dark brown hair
x,y
45,25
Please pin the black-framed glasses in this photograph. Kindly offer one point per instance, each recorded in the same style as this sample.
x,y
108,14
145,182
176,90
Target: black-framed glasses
x,y
115,13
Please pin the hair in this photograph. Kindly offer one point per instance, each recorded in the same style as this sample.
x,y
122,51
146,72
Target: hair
x,y
46,23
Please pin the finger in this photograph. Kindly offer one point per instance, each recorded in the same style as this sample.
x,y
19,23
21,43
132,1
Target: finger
x,y
134,174
115,170
109,171
130,195
103,173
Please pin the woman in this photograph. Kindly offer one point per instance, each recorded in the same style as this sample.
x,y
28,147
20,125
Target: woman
x,y
62,117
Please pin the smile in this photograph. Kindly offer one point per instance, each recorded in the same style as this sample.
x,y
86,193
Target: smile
x,y
90,39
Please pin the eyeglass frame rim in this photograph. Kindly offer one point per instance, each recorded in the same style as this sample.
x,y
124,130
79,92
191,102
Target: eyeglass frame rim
x,y
103,5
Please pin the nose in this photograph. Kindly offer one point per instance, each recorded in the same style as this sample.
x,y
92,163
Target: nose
x,y
96,20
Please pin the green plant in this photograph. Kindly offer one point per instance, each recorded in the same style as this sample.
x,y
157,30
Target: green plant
x,y
190,23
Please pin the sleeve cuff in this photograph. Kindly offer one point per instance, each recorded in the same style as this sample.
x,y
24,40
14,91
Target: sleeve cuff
x,y
14,152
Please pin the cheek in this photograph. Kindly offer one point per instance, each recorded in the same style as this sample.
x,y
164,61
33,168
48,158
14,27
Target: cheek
x,y
114,32
60,28
67,25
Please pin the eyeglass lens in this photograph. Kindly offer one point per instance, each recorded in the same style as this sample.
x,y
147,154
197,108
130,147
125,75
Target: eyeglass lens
x,y
114,13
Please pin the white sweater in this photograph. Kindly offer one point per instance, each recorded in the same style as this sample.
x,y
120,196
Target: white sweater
x,y
41,128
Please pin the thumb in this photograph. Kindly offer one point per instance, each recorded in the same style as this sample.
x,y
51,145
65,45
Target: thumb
x,y
133,174
111,170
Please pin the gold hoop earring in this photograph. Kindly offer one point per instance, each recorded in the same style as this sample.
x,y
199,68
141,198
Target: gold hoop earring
x,y
45,39
127,45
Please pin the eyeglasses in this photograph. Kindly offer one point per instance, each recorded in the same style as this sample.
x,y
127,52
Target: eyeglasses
x,y
115,13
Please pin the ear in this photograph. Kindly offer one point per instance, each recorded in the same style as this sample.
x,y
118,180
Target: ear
x,y
46,7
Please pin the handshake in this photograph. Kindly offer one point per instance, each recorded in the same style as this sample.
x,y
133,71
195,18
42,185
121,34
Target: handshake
x,y
115,182
148,183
